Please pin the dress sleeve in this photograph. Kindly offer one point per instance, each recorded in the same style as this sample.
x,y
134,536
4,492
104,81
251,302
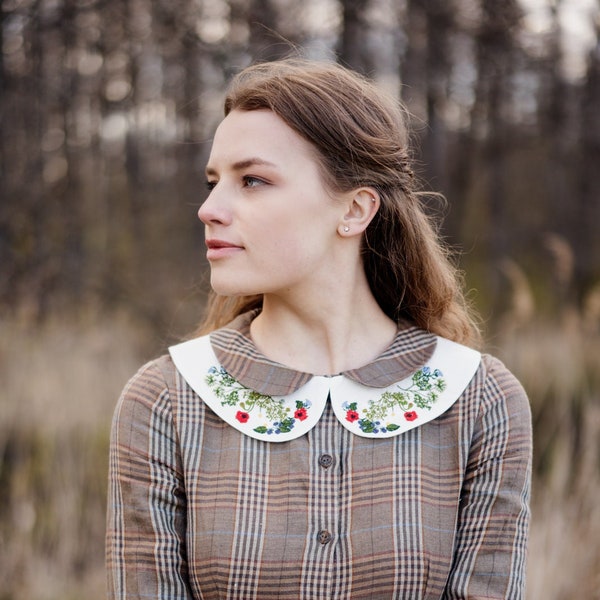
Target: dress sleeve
x,y
493,520
145,536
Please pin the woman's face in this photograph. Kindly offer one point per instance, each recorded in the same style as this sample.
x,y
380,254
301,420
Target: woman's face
x,y
270,224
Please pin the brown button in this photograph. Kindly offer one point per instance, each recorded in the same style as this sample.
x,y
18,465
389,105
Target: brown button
x,y
326,460
324,536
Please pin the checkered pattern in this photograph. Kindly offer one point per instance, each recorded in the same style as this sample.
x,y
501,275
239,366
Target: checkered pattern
x,y
197,510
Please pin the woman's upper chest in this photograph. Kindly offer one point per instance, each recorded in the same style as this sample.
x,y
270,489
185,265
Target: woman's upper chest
x,y
343,508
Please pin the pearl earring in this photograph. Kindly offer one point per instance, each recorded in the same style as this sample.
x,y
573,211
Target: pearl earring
x,y
346,228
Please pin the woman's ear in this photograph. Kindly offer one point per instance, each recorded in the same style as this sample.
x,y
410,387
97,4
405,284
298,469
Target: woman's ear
x,y
361,206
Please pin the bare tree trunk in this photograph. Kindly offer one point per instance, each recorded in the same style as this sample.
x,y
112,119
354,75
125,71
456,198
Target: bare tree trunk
x,y
588,243
265,41
440,23
490,122
352,49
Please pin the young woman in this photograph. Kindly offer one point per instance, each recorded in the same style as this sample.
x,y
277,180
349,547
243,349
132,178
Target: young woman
x,y
329,433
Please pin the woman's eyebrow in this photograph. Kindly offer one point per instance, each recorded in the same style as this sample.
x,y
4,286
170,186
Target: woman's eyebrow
x,y
243,164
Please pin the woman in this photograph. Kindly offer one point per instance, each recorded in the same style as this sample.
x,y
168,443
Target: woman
x,y
329,434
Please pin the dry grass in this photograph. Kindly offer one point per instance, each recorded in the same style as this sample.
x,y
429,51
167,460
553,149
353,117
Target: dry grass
x,y
559,365
60,382
557,358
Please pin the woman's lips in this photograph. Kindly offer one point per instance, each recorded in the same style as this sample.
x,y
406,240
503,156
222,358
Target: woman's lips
x,y
220,249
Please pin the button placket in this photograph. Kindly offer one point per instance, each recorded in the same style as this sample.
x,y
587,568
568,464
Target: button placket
x,y
325,519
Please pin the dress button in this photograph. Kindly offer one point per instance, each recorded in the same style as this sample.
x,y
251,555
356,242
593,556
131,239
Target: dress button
x,y
326,460
324,536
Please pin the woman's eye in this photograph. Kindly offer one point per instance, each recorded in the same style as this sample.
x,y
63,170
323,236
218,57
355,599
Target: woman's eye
x,y
210,185
251,182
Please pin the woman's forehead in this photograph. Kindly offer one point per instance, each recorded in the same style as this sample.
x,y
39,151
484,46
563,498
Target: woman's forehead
x,y
258,136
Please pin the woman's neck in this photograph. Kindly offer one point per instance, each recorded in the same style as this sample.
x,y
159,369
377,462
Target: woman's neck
x,y
335,332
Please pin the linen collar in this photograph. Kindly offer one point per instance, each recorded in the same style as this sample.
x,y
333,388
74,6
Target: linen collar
x,y
410,350
269,402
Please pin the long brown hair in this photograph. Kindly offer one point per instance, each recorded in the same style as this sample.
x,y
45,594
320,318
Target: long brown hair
x,y
361,139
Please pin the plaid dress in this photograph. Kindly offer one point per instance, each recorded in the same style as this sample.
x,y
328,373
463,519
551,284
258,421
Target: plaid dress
x,y
434,508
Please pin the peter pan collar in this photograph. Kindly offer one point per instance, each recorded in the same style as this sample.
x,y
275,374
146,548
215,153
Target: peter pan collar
x,y
410,350
268,401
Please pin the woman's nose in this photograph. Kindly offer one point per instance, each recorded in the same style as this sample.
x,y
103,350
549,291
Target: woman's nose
x,y
213,210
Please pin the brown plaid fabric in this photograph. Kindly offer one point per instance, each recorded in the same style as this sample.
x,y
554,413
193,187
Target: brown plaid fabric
x,y
199,510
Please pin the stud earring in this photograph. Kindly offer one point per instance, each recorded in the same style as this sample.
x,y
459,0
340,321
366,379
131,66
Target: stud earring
x,y
346,228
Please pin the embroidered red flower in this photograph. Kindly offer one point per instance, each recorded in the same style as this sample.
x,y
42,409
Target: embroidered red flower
x,y
242,416
301,414
410,415
351,416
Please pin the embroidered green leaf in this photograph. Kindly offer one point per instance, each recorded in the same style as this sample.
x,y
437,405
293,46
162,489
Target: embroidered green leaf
x,y
232,393
366,425
231,398
388,401
273,409
286,425
425,401
423,393
392,427
254,396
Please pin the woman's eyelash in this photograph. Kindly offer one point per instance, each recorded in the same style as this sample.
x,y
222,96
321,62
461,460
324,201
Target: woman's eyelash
x,y
250,181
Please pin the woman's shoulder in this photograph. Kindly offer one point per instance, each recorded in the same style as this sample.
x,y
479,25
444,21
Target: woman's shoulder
x,y
500,389
498,374
150,382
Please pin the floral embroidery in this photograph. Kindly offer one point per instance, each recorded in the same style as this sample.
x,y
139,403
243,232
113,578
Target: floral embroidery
x,y
351,414
423,392
242,417
268,415
232,393
300,414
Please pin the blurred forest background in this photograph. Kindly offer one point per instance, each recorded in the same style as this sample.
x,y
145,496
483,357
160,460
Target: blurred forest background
x,y
107,108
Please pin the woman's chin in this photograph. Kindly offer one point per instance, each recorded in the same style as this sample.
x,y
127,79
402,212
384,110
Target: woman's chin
x,y
229,288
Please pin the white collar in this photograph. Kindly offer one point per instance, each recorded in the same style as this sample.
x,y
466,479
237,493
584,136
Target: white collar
x,y
365,411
